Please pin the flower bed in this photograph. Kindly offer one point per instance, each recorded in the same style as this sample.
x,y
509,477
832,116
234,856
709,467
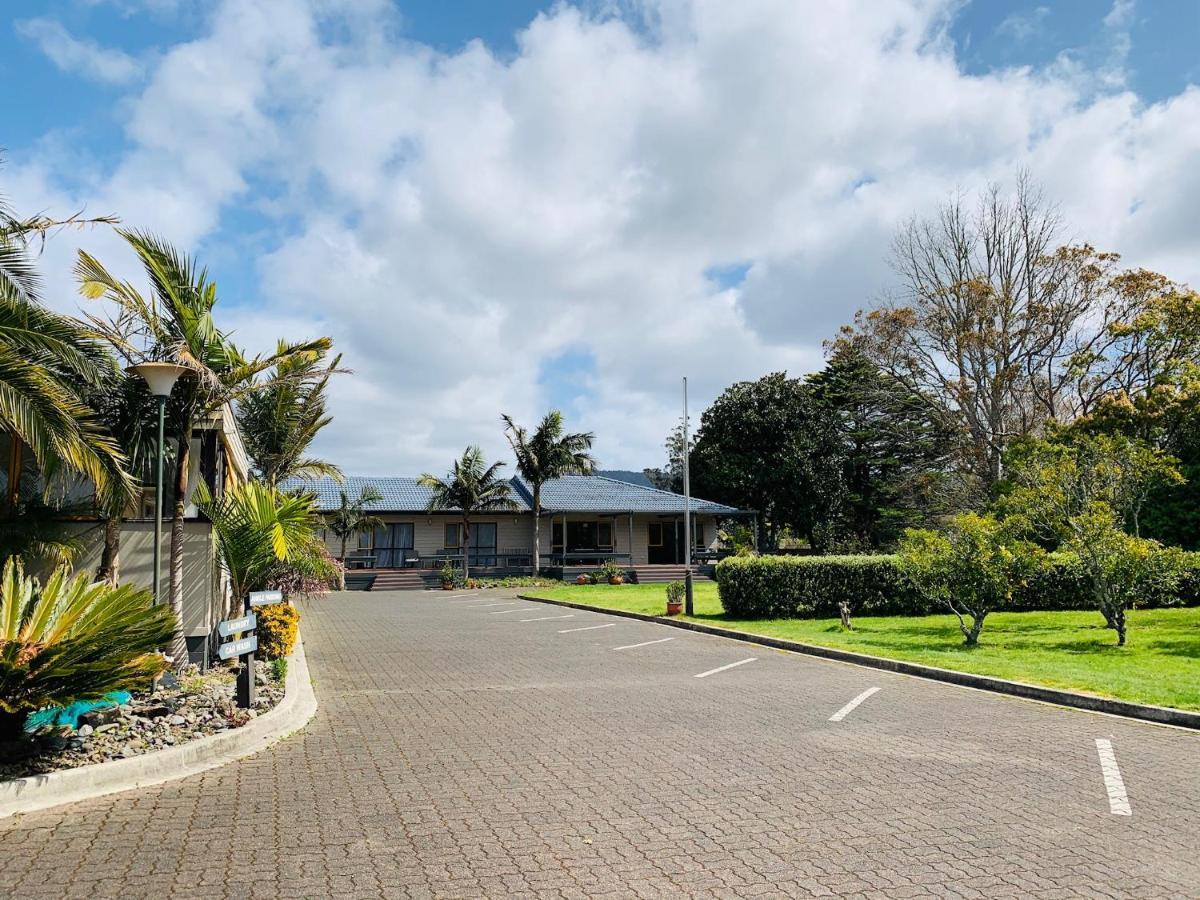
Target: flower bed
x,y
182,709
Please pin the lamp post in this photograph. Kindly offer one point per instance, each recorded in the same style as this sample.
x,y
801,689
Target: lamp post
x,y
161,377
687,511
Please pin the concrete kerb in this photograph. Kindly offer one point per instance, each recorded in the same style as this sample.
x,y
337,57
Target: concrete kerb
x,y
1160,715
292,713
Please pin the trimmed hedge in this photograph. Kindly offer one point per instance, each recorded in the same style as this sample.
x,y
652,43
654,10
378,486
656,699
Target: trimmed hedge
x,y
811,587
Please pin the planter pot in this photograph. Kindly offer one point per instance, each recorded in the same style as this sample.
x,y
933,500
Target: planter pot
x,y
582,579
447,585
616,579
674,607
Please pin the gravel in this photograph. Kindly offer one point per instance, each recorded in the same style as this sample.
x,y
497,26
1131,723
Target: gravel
x,y
183,708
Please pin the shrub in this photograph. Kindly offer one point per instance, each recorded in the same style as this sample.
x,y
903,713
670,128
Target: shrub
x,y
785,587
609,569
73,640
449,573
277,626
971,569
279,668
675,591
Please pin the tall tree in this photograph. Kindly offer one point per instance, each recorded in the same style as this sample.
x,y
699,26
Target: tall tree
x,y
546,454
894,451
353,516
47,363
473,488
989,319
177,325
280,422
767,445
671,478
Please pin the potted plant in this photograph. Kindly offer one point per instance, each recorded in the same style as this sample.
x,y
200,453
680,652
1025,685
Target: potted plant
x,y
610,572
449,573
675,598
581,578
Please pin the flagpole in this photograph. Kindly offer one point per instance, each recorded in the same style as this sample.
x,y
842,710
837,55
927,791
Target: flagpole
x,y
687,509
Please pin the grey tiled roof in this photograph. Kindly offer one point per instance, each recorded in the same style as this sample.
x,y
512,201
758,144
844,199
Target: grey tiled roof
x,y
574,493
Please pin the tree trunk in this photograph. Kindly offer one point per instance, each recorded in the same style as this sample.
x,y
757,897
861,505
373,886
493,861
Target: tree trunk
x,y
537,521
178,641
466,548
110,560
342,560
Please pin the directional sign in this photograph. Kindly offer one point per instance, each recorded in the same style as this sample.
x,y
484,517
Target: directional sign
x,y
262,598
238,648
248,622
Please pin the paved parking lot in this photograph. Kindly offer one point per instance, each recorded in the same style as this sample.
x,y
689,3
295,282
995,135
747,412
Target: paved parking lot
x,y
474,745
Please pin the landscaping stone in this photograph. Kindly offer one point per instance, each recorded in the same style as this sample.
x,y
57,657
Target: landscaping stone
x,y
179,710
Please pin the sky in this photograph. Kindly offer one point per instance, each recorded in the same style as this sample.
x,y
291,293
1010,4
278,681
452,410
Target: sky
x,y
500,207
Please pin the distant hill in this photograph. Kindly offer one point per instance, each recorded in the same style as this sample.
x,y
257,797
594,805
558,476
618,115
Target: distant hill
x,y
638,478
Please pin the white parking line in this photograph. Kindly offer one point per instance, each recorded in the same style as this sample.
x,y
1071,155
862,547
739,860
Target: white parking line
x,y
723,668
487,605
1118,800
644,644
588,628
504,611
546,618
849,707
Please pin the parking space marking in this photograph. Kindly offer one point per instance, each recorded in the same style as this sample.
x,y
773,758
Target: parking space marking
x,y
547,618
849,707
487,605
732,665
644,644
1118,800
588,628
504,611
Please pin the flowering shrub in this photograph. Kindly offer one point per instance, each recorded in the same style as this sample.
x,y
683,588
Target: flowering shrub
x,y
277,626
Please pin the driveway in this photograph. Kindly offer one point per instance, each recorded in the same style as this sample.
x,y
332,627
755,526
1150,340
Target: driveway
x,y
479,745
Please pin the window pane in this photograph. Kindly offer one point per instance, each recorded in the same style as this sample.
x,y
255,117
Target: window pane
x,y
656,534
698,530
483,535
403,535
556,538
604,534
451,536
364,540
383,537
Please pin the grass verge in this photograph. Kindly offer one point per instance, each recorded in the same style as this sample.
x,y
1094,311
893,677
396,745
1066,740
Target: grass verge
x,y
1067,650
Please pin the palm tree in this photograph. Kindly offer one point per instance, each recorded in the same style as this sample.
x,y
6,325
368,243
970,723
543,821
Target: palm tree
x,y
352,516
472,487
47,361
280,422
71,640
176,325
258,528
546,454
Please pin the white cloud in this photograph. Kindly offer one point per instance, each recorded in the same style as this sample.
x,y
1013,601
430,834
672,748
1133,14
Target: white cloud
x,y
456,221
1021,26
72,54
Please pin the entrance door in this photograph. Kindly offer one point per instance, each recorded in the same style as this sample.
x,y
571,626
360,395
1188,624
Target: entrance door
x,y
663,546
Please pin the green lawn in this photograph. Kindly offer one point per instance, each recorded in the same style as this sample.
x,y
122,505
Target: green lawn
x,y
1159,665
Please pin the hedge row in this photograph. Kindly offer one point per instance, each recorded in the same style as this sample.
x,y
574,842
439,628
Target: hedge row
x,y
811,587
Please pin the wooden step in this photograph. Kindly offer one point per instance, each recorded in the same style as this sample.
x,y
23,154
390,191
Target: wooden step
x,y
663,574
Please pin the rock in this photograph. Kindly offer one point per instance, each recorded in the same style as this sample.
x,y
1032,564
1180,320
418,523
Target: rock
x,y
102,716
128,751
168,682
154,711
106,727
85,730
176,720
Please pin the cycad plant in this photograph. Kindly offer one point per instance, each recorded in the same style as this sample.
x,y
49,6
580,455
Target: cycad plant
x,y
73,640
472,487
546,454
261,531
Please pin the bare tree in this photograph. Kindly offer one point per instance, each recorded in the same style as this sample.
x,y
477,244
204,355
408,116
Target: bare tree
x,y
989,315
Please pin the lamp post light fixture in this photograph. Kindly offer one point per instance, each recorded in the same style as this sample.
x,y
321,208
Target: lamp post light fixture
x,y
161,378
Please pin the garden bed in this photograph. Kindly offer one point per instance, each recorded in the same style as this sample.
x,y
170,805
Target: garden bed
x,y
1064,650
191,706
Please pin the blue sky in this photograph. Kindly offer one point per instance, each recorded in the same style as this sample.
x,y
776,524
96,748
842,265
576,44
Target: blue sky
x,y
596,202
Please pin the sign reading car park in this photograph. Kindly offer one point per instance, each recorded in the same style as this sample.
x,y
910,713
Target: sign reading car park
x,y
238,648
247,622
263,598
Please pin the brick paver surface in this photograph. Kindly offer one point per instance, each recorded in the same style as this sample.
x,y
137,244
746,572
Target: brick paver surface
x,y
462,752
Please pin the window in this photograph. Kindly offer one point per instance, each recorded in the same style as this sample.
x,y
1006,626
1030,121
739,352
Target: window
x,y
452,541
698,531
483,536
402,536
604,537
556,537
656,534
364,540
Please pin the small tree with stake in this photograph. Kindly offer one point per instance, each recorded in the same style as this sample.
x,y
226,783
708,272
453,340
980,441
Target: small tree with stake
x,y
972,568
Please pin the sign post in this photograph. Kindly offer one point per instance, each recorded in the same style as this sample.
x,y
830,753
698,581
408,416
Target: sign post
x,y
245,646
245,682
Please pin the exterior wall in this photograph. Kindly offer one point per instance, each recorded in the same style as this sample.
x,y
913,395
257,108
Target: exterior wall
x,y
514,532
203,585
